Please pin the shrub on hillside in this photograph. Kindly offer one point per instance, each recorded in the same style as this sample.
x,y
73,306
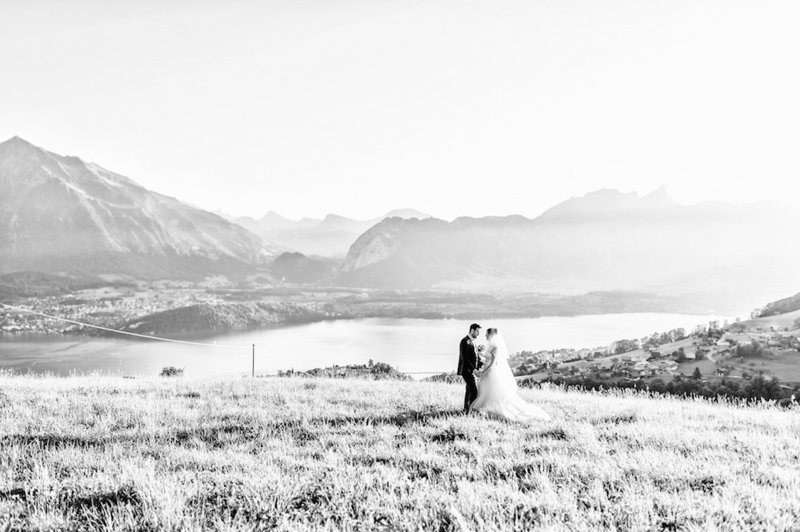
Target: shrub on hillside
x,y
449,378
752,350
376,370
171,371
758,387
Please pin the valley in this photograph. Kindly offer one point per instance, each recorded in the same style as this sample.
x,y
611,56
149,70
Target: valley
x,y
96,247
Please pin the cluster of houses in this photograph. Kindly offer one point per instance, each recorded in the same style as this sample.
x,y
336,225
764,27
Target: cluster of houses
x,y
773,339
709,342
621,366
94,310
645,368
783,340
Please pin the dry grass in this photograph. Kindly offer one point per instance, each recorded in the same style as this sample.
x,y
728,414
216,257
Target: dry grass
x,y
292,454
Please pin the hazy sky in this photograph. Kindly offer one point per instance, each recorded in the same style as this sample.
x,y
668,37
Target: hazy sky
x,y
453,107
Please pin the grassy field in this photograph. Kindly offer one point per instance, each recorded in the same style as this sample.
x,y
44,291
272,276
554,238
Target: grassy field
x,y
292,454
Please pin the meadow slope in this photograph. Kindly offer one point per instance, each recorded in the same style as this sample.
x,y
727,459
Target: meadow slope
x,y
291,454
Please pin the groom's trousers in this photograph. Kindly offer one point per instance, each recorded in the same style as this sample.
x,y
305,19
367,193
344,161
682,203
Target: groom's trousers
x,y
472,390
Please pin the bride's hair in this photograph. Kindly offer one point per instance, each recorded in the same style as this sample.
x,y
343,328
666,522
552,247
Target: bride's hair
x,y
492,330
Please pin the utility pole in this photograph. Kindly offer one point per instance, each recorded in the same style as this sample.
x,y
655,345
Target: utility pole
x,y
253,363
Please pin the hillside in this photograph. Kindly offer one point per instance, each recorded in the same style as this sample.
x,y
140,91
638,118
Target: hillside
x,y
299,454
61,213
294,267
606,240
782,306
37,284
206,318
789,321
753,359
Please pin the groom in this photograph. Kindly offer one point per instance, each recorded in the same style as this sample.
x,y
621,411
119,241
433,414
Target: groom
x,y
468,362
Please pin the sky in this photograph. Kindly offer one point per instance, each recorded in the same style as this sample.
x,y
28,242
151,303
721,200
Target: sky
x,y
452,107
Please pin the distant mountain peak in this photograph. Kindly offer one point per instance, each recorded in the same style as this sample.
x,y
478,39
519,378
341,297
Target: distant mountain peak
x,y
329,236
18,143
272,216
659,195
609,203
660,192
15,140
330,217
606,193
85,217
406,213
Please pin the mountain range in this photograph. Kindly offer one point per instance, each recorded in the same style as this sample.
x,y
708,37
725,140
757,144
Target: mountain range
x,y
61,213
605,240
330,236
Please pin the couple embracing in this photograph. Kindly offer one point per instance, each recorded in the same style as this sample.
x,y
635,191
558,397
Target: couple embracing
x,y
495,392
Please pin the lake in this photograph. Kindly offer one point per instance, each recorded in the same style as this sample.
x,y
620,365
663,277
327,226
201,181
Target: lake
x,y
411,345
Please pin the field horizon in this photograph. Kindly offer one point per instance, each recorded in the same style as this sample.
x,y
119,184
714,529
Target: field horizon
x,y
109,453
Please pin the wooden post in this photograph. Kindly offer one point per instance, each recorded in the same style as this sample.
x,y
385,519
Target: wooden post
x,y
253,363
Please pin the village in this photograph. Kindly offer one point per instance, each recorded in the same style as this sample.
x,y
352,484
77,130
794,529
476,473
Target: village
x,y
108,306
712,351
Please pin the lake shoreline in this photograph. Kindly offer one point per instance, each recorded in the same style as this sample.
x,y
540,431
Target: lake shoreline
x,y
208,333
172,311
410,345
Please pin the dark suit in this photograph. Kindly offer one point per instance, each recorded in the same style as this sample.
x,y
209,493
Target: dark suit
x,y
467,363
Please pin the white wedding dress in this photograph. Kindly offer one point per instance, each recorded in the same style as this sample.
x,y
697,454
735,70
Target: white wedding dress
x,y
497,389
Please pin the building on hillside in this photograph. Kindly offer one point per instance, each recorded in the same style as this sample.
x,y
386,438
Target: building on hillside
x,y
643,369
653,352
667,365
604,363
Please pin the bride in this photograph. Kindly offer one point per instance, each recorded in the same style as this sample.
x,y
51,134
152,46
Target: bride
x,y
497,388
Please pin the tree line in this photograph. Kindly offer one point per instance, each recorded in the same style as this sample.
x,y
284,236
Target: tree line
x,y
756,389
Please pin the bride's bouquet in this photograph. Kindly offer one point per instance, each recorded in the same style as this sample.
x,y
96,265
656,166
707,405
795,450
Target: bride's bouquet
x,y
480,348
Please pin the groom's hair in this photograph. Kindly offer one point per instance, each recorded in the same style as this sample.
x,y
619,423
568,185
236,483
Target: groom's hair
x,y
473,327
